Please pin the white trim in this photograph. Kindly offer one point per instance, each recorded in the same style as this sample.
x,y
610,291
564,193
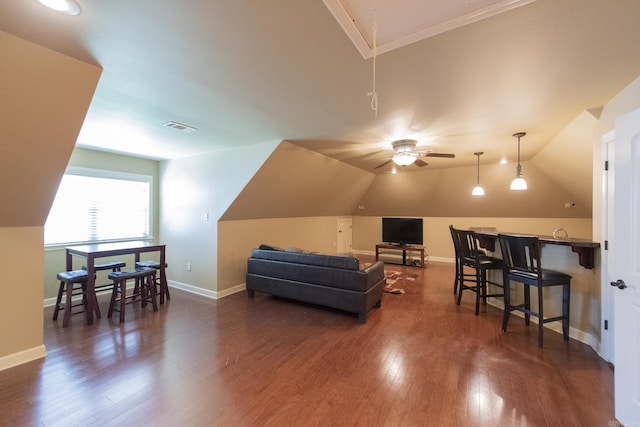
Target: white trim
x,y
205,292
576,334
365,47
606,346
23,356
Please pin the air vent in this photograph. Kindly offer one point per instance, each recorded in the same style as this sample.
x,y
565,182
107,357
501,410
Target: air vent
x,y
181,127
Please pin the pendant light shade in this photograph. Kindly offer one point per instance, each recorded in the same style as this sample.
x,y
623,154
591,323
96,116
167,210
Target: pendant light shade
x,y
519,183
478,190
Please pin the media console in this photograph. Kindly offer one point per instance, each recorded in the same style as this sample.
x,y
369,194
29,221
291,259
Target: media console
x,y
404,249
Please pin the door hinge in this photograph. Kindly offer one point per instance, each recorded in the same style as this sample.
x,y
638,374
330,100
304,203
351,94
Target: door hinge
x,y
606,245
606,165
606,325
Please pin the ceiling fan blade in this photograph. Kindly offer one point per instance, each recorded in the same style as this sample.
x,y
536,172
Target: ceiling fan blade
x,y
383,164
445,155
420,163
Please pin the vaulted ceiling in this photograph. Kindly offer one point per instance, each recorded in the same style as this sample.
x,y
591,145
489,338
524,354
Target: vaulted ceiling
x,y
245,72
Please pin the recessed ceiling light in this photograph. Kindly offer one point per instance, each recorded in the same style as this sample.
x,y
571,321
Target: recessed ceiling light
x,y
68,7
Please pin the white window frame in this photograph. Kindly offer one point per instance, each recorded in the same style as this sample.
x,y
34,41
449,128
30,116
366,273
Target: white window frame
x,y
108,174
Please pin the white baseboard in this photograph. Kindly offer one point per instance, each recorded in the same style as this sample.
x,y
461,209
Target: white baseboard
x,y
207,293
574,333
410,256
23,356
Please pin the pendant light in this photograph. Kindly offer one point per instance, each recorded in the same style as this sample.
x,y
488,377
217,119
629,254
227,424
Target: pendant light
x,y
519,183
478,190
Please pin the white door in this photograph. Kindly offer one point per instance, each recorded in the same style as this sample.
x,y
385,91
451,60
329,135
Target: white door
x,y
344,235
625,268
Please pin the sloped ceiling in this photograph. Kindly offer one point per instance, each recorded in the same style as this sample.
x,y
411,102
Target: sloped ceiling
x,y
247,72
296,182
45,96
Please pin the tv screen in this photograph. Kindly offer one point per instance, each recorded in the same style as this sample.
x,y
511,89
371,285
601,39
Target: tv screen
x,y
402,231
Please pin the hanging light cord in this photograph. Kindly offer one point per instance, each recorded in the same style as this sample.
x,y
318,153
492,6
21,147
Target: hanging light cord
x,y
478,180
373,94
519,168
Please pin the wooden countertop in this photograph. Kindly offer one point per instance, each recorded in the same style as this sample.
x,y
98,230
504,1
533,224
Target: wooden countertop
x,y
585,248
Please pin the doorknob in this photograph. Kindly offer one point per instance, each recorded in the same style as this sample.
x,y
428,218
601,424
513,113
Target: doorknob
x,y
619,284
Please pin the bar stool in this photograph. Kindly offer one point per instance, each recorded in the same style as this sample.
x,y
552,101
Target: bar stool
x,y
113,266
146,290
460,274
521,255
72,283
473,258
163,288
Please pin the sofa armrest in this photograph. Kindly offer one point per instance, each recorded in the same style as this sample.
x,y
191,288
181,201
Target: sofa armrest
x,y
378,265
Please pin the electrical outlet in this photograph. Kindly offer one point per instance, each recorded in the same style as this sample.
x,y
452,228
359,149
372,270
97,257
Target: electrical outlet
x,y
188,266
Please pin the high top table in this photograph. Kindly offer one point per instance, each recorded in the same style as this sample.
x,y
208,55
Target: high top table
x,y
91,252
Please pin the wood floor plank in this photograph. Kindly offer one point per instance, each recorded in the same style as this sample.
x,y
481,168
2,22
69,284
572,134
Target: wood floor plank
x,y
420,360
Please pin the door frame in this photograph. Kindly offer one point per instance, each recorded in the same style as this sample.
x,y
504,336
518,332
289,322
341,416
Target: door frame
x,y
607,323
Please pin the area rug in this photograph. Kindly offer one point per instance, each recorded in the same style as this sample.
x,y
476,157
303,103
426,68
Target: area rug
x,y
397,281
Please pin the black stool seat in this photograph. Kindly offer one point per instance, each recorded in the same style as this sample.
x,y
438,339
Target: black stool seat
x,y
131,274
74,276
113,266
149,264
145,289
72,283
164,289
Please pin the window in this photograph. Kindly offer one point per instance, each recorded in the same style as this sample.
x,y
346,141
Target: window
x,y
94,205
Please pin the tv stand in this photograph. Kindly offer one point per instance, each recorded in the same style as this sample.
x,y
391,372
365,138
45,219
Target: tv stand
x,y
404,249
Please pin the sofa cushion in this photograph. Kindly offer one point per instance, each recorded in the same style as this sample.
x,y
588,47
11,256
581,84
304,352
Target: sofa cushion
x,y
333,261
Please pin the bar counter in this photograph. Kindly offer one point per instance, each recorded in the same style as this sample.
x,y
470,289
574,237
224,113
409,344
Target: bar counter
x,y
585,248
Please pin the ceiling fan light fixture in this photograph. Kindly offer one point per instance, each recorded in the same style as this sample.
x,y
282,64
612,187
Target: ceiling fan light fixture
x,y
518,183
68,7
404,158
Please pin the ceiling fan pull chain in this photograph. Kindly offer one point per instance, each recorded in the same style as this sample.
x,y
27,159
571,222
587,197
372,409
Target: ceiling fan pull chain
x,y
373,94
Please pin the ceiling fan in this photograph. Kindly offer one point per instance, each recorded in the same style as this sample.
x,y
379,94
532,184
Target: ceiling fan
x,y
407,155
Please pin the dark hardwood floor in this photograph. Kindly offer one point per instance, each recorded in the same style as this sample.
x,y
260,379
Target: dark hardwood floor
x,y
420,360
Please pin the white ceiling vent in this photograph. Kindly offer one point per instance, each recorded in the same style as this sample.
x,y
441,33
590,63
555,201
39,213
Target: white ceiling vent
x,y
181,127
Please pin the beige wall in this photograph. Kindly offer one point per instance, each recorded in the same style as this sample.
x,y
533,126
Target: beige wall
x,y
447,192
194,193
367,231
21,335
237,238
45,96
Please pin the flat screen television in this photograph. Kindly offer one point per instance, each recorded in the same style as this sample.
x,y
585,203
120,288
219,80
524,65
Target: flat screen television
x,y
402,231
